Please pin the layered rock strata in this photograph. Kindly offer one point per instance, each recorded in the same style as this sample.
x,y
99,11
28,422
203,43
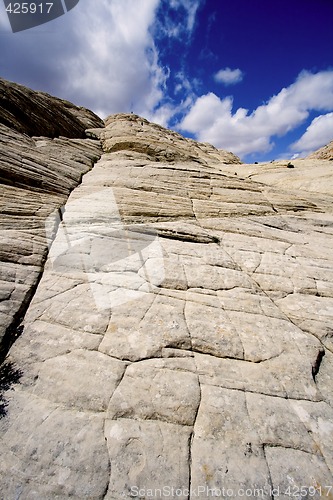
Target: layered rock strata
x,y
36,177
37,113
324,153
179,343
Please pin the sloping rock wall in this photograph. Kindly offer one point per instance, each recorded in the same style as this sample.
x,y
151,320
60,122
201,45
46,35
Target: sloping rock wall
x,y
39,114
324,153
179,343
36,177
308,175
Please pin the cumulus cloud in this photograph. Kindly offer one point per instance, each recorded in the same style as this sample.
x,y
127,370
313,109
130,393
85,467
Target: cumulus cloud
x,y
101,55
318,133
229,76
115,65
211,118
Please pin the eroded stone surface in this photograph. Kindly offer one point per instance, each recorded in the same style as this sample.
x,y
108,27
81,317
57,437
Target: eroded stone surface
x,y
40,114
324,153
180,338
36,176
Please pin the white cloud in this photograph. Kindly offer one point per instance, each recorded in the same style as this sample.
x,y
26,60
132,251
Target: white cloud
x,y
229,76
189,9
104,55
162,114
114,63
211,119
318,134
101,55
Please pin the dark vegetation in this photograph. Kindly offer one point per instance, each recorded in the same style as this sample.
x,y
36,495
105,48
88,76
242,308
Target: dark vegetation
x,y
9,375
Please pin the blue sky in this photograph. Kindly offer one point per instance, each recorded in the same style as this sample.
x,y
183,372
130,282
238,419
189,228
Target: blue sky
x,y
254,77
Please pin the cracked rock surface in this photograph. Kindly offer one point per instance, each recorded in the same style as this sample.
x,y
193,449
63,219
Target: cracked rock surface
x,y
36,176
180,338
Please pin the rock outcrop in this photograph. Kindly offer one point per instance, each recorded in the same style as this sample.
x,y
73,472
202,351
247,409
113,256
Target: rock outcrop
x,y
36,176
324,153
39,114
179,342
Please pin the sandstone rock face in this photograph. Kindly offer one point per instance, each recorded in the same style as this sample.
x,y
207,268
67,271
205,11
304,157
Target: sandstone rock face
x,y
306,175
324,153
135,134
179,343
36,176
38,113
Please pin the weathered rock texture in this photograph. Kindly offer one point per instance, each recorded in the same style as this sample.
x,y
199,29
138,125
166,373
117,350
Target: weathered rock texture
x,y
324,153
179,343
36,176
38,113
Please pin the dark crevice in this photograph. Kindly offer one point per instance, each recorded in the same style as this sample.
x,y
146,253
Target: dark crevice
x,y
190,459
235,358
187,237
286,447
16,328
107,486
269,472
284,396
9,375
191,439
192,435
317,363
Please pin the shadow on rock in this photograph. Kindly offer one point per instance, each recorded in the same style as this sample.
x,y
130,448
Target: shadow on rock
x,y
9,375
